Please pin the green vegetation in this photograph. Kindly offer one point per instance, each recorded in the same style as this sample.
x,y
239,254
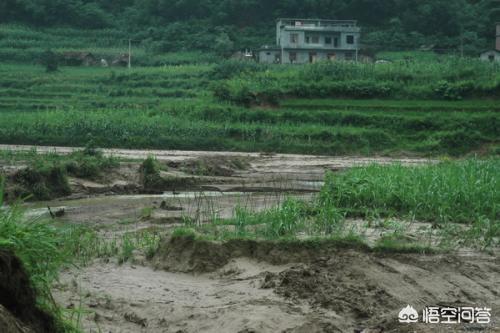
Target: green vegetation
x,y
45,247
22,44
449,79
225,26
460,199
150,172
46,175
173,108
460,192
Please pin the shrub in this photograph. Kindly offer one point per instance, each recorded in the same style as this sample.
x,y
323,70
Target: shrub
x,y
150,171
233,68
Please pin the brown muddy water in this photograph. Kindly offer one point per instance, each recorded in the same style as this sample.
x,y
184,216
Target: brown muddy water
x,y
250,287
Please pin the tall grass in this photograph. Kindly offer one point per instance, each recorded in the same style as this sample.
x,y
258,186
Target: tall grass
x,y
464,191
43,250
460,198
450,79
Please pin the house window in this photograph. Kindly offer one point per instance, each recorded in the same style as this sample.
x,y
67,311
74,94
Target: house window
x,y
336,42
294,38
491,57
350,39
332,56
292,56
328,40
312,39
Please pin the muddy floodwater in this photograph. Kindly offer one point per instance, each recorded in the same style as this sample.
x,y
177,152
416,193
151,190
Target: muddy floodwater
x,y
249,287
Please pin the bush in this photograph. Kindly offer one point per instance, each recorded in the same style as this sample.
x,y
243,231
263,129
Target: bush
x,y
150,171
233,68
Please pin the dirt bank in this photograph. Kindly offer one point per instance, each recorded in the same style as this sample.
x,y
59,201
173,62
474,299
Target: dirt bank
x,y
187,254
253,287
18,311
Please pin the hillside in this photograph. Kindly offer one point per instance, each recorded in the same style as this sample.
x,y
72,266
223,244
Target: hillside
x,y
161,26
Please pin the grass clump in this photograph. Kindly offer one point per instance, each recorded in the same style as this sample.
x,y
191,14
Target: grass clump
x,y
150,173
453,191
46,175
43,249
292,219
89,164
400,244
41,181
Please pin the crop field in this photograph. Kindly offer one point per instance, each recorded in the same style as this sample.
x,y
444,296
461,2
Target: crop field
x,y
193,107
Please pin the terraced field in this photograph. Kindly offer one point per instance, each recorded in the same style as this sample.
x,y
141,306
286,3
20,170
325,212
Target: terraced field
x,y
173,108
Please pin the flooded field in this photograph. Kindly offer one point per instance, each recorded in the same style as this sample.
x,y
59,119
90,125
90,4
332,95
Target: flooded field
x,y
192,285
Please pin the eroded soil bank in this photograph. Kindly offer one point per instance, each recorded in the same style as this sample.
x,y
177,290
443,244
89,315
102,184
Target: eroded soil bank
x,y
18,307
338,290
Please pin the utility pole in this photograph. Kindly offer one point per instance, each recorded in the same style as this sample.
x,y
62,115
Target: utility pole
x,y
462,41
129,54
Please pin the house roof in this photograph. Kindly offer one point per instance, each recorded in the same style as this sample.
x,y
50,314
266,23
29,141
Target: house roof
x,y
309,20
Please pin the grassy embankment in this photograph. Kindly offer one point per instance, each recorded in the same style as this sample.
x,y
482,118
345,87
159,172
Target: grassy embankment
x,y
174,108
45,247
459,200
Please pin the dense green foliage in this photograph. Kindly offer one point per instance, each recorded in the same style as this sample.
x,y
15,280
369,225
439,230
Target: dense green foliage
x,y
172,108
449,78
222,26
465,191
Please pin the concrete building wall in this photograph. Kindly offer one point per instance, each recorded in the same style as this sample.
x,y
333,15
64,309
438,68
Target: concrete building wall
x,y
269,56
324,40
498,38
311,56
491,56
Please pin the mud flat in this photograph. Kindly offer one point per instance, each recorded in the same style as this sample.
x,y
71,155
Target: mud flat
x,y
249,286
200,182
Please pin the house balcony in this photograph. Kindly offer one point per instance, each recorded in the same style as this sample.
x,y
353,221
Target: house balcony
x,y
319,25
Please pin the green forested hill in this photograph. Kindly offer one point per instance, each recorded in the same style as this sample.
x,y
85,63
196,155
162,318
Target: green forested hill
x,y
170,25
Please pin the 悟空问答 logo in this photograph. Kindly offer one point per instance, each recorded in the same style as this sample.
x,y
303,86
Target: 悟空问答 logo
x,y
408,315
